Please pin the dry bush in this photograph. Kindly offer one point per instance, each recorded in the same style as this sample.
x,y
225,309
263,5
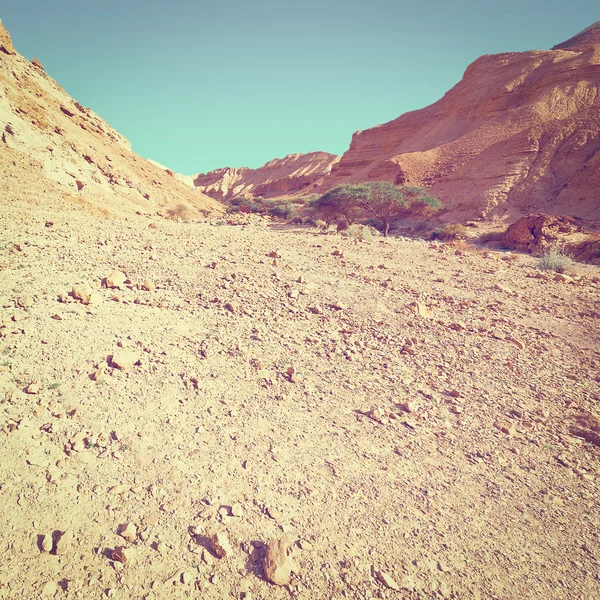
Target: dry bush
x,y
451,231
555,260
179,213
491,236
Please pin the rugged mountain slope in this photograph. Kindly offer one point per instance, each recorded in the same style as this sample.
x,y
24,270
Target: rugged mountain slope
x,y
518,134
280,176
55,151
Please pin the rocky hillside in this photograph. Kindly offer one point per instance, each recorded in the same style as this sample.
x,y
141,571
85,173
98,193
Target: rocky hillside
x,y
289,175
518,134
57,152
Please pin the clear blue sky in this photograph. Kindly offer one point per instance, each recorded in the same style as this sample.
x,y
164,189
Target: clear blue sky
x,y
197,85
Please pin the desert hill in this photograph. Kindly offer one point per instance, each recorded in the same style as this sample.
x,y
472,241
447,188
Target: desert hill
x,y
518,134
68,155
280,176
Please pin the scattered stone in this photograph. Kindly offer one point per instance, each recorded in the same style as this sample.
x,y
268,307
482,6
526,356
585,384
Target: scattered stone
x,y
64,543
24,302
82,293
115,280
422,310
97,375
220,545
128,532
123,555
46,543
124,359
388,581
187,578
520,345
502,288
508,428
232,307
410,406
50,588
278,563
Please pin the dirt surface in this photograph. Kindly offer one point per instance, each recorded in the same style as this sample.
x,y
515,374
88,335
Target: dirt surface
x,y
408,419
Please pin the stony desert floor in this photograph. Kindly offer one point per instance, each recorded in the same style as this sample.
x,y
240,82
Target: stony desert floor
x,y
419,421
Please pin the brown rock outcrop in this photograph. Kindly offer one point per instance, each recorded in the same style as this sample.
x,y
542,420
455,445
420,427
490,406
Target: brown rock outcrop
x,y
6,44
538,233
289,175
55,151
518,134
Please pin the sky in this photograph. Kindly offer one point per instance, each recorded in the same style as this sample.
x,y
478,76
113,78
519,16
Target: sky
x,y
199,85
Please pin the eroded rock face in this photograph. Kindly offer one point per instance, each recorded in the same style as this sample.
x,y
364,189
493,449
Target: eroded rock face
x,y
6,44
518,134
294,173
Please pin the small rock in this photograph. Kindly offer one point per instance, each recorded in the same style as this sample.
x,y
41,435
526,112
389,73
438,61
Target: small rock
x,y
187,578
46,543
520,345
128,532
388,580
33,388
507,428
24,302
278,563
115,280
64,542
502,288
237,511
148,285
124,359
124,555
232,307
220,545
83,293
410,406
50,588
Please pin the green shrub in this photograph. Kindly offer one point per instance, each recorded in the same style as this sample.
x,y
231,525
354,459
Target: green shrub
x,y
555,260
285,211
360,232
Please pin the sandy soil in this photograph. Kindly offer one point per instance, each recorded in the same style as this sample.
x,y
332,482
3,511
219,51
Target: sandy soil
x,y
411,417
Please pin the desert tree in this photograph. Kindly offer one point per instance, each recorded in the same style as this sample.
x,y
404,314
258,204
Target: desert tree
x,y
340,203
382,199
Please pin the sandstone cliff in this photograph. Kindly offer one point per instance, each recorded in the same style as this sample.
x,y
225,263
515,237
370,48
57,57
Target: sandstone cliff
x,y
281,176
55,151
518,134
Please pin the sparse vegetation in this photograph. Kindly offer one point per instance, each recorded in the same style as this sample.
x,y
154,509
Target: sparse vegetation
x,y
555,260
285,211
451,231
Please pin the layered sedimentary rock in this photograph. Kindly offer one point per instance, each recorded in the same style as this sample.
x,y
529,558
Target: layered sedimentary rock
x,y
281,176
518,134
54,150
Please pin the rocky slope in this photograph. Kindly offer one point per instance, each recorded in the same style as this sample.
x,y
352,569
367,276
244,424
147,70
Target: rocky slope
x,y
55,151
281,176
518,134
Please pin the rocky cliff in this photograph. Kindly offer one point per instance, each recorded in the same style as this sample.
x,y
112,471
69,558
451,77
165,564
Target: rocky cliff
x,y
518,134
281,176
55,151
